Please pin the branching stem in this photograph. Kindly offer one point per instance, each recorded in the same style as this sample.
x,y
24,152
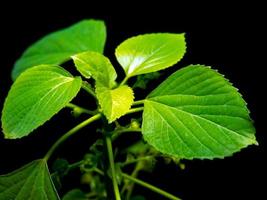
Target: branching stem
x,y
138,102
70,133
81,109
134,110
124,80
151,187
112,167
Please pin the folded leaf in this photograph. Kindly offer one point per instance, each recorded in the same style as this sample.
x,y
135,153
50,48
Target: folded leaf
x,y
196,113
30,182
37,94
115,102
151,52
96,65
57,47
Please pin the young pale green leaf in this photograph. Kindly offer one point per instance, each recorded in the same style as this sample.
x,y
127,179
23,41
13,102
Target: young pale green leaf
x,y
30,182
151,52
114,102
57,47
37,94
196,113
96,65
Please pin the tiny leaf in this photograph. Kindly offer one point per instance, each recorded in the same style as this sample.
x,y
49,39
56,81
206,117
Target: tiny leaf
x,y
37,94
96,65
75,194
30,182
57,47
114,102
196,113
150,52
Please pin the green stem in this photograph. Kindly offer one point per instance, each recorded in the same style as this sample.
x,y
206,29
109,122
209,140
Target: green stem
x,y
81,109
99,171
70,133
124,80
87,87
129,186
134,110
117,133
144,184
138,102
112,167
75,165
151,187
137,160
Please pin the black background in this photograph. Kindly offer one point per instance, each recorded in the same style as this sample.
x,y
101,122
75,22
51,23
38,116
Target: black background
x,y
227,37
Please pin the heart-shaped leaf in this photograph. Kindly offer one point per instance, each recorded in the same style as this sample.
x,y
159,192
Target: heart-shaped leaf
x,y
37,94
196,113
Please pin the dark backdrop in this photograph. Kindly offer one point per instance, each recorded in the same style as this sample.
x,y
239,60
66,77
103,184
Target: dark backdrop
x,y
227,37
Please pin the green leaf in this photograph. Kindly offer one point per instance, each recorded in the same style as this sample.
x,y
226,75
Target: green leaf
x,y
30,182
57,47
114,102
75,194
37,94
151,52
196,113
96,65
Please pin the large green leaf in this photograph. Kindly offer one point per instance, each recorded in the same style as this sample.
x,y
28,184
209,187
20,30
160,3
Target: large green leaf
x,y
151,52
196,113
30,182
37,94
115,102
96,65
57,47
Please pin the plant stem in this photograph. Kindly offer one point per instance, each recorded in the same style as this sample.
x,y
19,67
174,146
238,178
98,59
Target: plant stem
x,y
144,184
134,110
99,171
138,102
117,133
151,187
87,87
112,167
124,80
129,186
70,133
75,165
81,109
137,160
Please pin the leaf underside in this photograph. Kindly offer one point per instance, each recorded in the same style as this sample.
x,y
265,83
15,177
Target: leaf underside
x,y
37,95
30,182
57,47
196,113
150,52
